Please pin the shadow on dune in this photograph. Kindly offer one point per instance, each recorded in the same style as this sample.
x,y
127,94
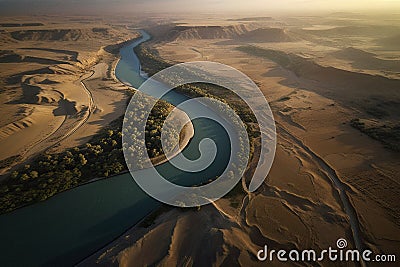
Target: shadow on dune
x,y
65,107
72,54
14,79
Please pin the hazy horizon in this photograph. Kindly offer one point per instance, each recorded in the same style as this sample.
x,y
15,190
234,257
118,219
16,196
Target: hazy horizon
x,y
214,6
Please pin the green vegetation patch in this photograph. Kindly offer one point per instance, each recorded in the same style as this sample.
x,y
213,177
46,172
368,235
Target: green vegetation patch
x,y
49,174
153,63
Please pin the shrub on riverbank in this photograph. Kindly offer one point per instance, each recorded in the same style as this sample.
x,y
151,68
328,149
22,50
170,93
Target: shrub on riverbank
x,y
49,174
153,63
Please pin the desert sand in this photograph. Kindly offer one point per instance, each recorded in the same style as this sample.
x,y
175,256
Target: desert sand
x,y
48,73
342,71
59,87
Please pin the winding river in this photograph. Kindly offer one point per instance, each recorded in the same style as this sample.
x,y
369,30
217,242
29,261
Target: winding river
x,y
72,225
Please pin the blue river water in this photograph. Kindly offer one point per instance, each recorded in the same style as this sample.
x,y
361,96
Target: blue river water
x,y
72,225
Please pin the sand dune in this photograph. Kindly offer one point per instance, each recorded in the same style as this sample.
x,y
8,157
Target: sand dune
x,y
295,208
59,34
73,55
392,42
46,35
299,205
178,33
7,56
356,30
30,24
240,32
6,38
11,128
265,35
17,78
42,72
17,138
354,53
217,239
366,60
227,35
249,19
33,94
345,85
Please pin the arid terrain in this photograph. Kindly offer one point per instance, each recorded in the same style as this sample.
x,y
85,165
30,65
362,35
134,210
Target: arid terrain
x,y
333,86
59,93
320,75
53,80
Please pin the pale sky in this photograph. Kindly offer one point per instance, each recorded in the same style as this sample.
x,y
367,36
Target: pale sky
x,y
254,5
199,6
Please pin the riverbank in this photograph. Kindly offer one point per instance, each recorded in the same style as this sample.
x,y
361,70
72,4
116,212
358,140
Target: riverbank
x,y
76,223
100,129
314,108
180,116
